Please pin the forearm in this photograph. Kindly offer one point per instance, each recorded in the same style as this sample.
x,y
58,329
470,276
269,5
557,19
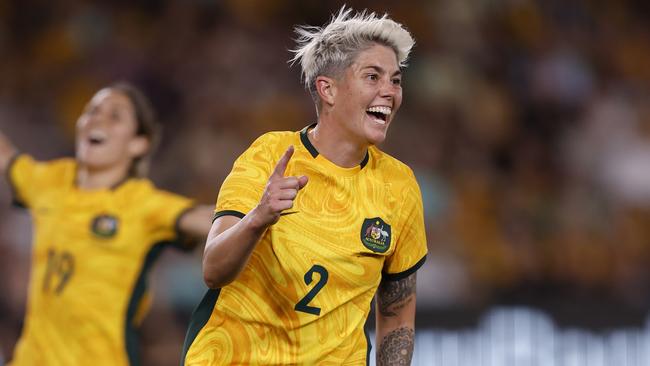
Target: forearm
x,y
396,340
231,241
227,251
396,322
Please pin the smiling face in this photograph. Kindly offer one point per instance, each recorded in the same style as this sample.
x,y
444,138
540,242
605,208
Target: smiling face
x,y
106,132
368,95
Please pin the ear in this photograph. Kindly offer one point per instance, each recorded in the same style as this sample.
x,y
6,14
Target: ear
x,y
138,146
326,89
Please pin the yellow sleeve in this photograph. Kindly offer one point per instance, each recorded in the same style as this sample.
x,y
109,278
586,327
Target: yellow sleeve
x,y
165,211
242,189
24,175
411,245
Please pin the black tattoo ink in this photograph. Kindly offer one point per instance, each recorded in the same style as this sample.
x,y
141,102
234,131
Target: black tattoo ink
x,y
396,348
394,295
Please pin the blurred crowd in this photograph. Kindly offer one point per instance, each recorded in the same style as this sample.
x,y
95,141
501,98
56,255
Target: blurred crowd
x,y
527,124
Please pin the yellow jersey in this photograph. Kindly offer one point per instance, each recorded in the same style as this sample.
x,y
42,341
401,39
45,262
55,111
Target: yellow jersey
x,y
305,293
92,250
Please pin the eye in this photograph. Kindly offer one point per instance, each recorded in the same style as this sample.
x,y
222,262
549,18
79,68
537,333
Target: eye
x,y
397,81
116,115
372,77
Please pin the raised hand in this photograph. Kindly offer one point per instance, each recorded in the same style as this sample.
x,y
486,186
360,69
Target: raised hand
x,y
280,191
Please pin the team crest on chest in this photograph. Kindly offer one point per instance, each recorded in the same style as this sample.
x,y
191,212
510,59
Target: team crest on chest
x,y
105,226
375,235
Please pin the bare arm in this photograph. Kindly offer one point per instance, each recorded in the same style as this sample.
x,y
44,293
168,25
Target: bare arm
x,y
7,151
230,243
232,240
195,223
396,321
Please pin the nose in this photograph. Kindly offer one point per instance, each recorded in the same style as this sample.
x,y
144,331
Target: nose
x,y
91,120
387,89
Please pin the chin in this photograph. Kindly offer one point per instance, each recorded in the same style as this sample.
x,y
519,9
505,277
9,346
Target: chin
x,y
92,161
375,137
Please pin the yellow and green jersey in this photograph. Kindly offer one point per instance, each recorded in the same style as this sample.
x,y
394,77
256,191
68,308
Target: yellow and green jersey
x,y
305,293
91,253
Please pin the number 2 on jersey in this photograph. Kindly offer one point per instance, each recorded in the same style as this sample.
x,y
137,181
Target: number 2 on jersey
x,y
60,267
302,305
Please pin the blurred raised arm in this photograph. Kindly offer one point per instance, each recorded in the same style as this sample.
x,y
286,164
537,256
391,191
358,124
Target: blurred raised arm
x,y
196,222
7,151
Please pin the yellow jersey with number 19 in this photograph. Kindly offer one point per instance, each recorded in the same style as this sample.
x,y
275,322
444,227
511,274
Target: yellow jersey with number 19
x,y
90,257
305,293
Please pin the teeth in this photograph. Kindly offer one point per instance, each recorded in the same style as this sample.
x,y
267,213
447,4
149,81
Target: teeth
x,y
97,135
380,109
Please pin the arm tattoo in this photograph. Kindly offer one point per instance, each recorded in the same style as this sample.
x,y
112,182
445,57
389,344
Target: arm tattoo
x,y
394,295
396,348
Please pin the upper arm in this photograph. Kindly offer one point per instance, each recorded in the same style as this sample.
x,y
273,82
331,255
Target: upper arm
x,y
396,292
195,222
166,218
396,321
28,179
397,297
410,249
221,224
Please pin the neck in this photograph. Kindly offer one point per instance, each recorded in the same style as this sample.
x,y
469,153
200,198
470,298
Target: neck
x,y
89,178
336,145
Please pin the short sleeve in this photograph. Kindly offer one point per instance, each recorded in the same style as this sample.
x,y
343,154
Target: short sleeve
x,y
164,215
24,175
242,190
411,246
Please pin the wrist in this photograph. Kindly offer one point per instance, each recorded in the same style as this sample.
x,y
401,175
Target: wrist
x,y
256,222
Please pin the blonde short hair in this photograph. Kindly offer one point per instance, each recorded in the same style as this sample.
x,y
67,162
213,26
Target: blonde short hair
x,y
330,49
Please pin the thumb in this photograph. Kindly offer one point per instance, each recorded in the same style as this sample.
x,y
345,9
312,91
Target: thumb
x,y
302,181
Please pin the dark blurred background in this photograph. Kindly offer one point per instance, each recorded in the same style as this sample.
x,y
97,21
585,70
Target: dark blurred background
x,y
527,124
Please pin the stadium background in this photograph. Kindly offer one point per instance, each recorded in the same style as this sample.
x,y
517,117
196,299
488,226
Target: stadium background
x,y
527,124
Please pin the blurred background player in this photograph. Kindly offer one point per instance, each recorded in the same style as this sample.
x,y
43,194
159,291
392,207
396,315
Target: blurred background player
x,y
99,225
526,125
311,224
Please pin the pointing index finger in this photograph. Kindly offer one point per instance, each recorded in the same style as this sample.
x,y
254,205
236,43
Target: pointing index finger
x,y
282,163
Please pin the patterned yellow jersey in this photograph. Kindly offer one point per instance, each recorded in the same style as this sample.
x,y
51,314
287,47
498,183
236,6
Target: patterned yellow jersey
x,y
305,294
91,253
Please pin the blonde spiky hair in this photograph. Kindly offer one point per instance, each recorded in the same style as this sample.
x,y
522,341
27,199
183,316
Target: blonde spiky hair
x,y
330,49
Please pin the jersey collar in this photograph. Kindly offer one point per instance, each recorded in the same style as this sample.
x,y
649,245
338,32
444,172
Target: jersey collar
x,y
312,149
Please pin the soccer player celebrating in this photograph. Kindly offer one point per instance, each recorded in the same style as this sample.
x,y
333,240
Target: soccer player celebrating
x,y
98,228
309,225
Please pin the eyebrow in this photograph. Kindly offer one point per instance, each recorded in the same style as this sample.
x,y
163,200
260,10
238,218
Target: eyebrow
x,y
381,70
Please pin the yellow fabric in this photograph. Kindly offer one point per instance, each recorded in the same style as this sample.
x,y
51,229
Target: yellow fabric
x,y
255,320
82,282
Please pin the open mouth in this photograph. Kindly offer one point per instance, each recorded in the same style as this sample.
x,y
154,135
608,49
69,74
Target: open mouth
x,y
379,113
96,137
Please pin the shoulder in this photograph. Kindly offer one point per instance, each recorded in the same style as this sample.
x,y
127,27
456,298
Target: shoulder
x,y
56,164
63,165
390,167
143,191
271,145
138,186
141,188
275,139
52,170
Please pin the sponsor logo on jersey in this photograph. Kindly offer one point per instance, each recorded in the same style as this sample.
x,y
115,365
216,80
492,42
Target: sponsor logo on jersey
x,y
105,226
375,235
